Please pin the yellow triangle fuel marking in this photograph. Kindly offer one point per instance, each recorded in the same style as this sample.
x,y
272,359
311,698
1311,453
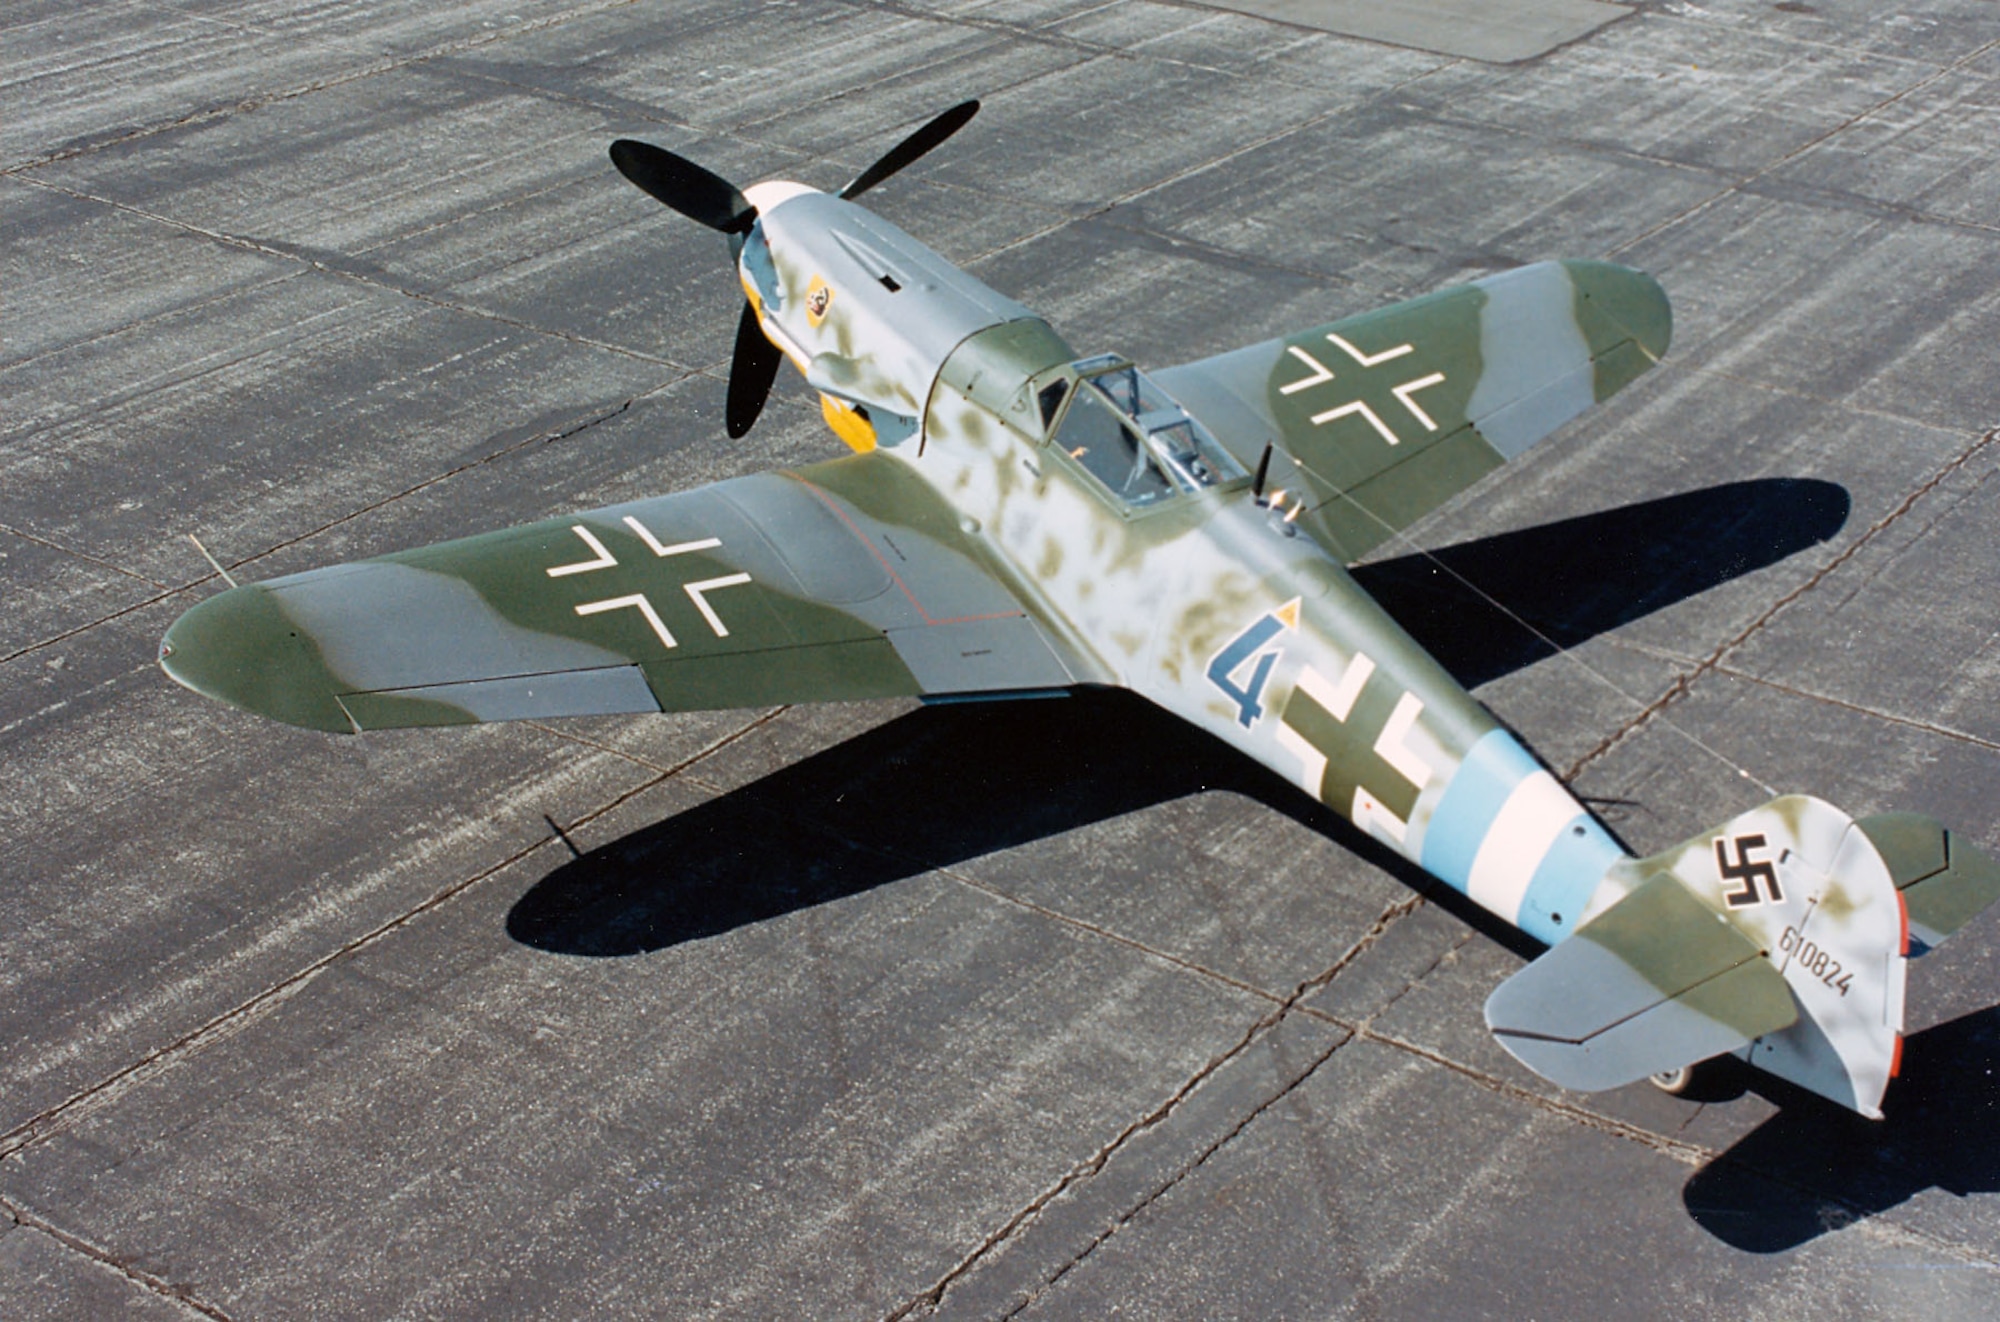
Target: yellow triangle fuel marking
x,y
1288,614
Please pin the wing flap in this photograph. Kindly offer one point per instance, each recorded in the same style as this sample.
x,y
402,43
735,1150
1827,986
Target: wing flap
x,y
606,691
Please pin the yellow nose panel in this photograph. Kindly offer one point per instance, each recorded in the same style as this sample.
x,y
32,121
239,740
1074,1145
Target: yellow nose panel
x,y
848,423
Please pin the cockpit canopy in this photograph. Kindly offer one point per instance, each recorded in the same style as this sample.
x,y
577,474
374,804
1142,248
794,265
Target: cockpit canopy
x,y
1129,435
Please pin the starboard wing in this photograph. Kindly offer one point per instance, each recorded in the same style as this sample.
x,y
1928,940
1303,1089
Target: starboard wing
x,y
844,580
1378,419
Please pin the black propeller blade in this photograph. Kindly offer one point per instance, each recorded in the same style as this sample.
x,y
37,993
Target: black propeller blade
x,y
698,194
752,369
909,149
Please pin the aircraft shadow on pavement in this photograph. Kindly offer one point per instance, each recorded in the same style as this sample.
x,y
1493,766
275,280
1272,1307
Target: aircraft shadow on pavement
x,y
929,789
1581,577
1815,1167
944,784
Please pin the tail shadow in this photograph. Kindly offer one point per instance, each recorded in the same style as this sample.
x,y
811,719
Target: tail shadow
x,y
941,785
1815,1167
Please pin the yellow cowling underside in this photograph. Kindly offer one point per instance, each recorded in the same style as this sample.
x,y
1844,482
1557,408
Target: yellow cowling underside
x,y
848,424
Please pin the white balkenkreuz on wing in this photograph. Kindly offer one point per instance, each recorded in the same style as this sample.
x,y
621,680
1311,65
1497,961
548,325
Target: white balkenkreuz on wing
x,y
1404,393
697,592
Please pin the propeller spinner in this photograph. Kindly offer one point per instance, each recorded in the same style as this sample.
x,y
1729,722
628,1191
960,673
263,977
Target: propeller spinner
x,y
708,199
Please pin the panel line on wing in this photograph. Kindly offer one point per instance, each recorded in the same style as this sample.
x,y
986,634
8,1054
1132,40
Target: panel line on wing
x,y
895,577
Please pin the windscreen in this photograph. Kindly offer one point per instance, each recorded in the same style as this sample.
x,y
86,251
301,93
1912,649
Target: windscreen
x,y
1133,438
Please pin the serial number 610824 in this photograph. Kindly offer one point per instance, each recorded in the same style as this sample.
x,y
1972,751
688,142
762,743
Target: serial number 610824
x,y
1815,961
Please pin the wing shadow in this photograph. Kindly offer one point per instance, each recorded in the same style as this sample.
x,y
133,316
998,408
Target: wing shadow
x,y
941,785
931,788
1580,577
1815,1167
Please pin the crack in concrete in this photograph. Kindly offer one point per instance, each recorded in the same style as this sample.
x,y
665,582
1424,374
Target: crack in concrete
x,y
1107,934
285,253
319,39
1696,16
1049,34
1684,682
258,100
1448,955
1852,406
60,549
1214,254
54,1119
928,1300
1754,183
144,321
948,871
1187,172
173,1292
540,438
1680,1150
1687,1154
966,879
1802,149
1045,34
1173,1181
637,759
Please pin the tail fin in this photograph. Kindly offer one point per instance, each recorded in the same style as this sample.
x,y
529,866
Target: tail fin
x,y
1782,935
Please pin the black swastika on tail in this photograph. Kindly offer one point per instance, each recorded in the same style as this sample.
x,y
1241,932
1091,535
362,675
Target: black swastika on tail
x,y
1747,872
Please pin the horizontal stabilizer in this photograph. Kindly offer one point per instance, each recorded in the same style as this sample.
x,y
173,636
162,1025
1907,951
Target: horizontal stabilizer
x,y
1778,935
1944,881
1657,981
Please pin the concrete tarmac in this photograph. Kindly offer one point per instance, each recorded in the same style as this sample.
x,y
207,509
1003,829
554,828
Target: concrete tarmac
x,y
876,1011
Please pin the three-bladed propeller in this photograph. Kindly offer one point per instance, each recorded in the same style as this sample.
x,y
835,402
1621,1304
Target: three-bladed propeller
x,y
708,199
698,194
909,149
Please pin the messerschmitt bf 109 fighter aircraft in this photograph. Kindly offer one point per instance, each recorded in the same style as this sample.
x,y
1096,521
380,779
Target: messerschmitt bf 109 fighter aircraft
x,y
1018,520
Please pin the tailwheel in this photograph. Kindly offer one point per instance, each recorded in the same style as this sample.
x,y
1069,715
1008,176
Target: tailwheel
x,y
1674,1082
1717,1079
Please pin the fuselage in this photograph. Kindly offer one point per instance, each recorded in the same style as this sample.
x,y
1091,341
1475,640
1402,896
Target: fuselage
x,y
1140,547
